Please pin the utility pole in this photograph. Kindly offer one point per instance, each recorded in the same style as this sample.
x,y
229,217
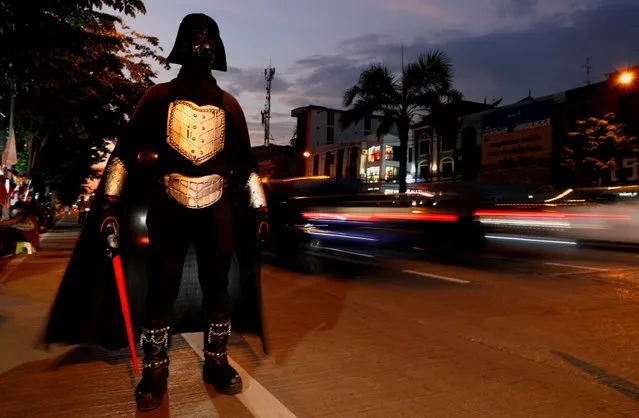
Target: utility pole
x,y
269,73
588,68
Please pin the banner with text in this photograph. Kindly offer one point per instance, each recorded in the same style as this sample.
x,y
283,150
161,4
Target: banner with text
x,y
520,134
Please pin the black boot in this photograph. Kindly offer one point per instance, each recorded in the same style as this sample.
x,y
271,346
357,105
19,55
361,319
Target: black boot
x,y
217,370
150,391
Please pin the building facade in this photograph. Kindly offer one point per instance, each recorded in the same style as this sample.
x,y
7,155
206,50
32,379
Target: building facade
x,y
354,152
523,143
520,143
318,127
445,145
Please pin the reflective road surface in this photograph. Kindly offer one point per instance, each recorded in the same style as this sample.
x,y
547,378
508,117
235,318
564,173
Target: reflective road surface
x,y
486,335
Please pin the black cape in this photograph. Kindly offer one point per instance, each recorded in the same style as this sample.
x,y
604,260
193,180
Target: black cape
x,y
87,307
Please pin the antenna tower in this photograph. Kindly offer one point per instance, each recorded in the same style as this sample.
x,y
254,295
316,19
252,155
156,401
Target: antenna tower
x,y
269,73
588,68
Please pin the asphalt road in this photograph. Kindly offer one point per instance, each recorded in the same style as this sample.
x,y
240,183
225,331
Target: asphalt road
x,y
503,333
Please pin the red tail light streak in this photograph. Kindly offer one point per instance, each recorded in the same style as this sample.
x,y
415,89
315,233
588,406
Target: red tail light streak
x,y
381,216
547,215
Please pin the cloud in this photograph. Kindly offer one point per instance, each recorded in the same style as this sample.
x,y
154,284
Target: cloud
x,y
429,9
516,8
501,49
474,16
250,80
546,58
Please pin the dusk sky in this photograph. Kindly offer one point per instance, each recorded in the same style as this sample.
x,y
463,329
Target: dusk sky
x,y
499,48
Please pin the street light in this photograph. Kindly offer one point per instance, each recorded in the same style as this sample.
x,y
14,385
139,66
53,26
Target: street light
x,y
626,77
306,154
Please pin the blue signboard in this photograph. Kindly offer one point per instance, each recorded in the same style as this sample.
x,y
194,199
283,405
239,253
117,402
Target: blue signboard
x,y
519,118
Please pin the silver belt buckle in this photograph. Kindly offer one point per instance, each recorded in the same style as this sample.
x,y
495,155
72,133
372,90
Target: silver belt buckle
x,y
194,192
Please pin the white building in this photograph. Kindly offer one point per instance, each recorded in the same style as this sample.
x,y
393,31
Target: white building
x,y
381,165
318,126
355,152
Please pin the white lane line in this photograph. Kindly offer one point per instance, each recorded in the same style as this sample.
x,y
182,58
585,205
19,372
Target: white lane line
x,y
576,267
259,401
337,250
535,240
435,276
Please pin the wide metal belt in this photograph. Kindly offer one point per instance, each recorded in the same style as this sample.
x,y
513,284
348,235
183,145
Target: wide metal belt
x,y
194,192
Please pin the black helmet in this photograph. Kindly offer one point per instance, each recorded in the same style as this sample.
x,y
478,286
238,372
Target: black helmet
x,y
198,42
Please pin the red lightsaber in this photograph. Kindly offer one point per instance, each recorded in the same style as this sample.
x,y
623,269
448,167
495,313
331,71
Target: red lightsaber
x,y
124,301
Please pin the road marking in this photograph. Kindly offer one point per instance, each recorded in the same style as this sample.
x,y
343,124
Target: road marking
x,y
259,401
338,258
435,276
535,240
576,267
337,250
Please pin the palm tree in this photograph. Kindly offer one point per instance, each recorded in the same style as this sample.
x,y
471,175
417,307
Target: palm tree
x,y
399,99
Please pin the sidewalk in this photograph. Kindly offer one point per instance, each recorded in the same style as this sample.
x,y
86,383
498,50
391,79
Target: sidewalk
x,y
82,381
27,287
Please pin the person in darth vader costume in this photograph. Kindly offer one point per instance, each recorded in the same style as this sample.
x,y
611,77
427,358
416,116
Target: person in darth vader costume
x,y
182,174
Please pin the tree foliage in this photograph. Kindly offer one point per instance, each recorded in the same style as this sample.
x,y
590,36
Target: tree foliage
x,y
422,86
590,149
77,72
293,141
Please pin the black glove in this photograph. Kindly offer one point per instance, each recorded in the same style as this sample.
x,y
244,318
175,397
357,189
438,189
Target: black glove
x,y
261,222
110,227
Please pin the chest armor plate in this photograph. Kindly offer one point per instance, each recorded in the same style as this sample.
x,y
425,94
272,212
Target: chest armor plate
x,y
196,132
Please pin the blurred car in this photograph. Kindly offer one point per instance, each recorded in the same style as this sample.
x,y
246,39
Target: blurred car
x,y
320,215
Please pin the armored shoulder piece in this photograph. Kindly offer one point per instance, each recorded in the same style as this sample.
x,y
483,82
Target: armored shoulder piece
x,y
115,176
256,191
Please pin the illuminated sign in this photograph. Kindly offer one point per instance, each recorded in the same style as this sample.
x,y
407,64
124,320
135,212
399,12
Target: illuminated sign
x,y
517,146
518,135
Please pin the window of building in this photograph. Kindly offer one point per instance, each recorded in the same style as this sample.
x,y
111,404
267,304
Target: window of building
x,y
374,154
372,174
424,170
328,161
410,155
391,173
389,153
447,166
339,165
352,162
316,162
330,135
330,127
424,146
330,118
